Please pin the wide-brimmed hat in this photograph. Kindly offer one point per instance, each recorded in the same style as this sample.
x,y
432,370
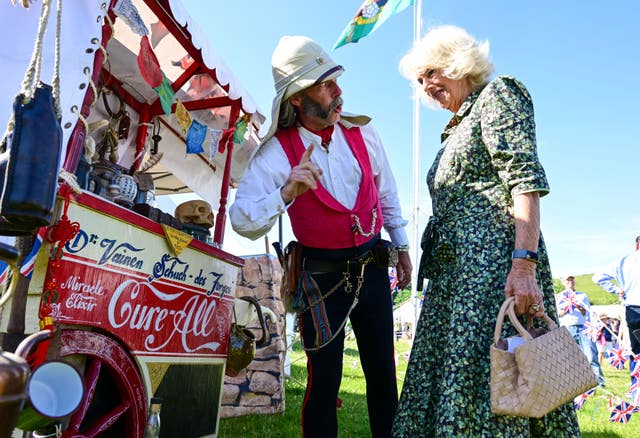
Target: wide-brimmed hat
x,y
297,63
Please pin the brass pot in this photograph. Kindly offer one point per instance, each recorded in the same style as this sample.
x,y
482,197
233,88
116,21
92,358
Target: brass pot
x,y
242,342
14,372
242,349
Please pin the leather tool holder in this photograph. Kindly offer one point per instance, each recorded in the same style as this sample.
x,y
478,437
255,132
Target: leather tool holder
x,y
29,164
291,262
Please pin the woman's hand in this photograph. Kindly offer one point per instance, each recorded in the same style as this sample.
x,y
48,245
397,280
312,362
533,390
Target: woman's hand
x,y
521,281
521,284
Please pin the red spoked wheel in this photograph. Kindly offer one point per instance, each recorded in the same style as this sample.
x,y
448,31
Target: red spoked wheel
x,y
114,403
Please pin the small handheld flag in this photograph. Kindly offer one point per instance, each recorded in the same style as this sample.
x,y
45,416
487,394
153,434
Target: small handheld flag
x,y
369,17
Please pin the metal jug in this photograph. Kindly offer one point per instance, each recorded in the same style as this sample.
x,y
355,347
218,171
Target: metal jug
x,y
242,341
14,370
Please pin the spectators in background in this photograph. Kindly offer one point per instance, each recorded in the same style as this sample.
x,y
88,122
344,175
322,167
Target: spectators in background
x,y
623,278
574,309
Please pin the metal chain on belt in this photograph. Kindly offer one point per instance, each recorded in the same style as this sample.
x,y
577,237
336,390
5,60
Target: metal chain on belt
x,y
348,288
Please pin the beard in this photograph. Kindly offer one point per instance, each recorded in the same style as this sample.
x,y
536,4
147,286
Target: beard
x,y
312,108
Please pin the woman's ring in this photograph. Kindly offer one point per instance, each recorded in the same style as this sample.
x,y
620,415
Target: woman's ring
x,y
535,307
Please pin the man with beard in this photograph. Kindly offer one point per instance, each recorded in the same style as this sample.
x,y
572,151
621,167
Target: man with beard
x,y
329,171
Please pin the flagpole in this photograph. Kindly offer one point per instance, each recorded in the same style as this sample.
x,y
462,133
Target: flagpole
x,y
417,25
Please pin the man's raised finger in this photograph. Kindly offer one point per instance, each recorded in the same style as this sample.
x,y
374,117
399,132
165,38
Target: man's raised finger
x,y
307,154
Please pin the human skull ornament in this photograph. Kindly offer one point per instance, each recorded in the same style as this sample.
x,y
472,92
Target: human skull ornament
x,y
195,212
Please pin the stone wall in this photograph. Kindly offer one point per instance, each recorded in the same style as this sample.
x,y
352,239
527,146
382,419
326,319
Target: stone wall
x,y
259,388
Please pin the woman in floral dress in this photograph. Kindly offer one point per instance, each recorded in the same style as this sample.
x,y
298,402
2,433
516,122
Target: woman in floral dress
x,y
482,242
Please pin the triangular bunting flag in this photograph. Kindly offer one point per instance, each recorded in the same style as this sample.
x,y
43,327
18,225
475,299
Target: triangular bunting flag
x,y
183,116
148,64
166,94
195,137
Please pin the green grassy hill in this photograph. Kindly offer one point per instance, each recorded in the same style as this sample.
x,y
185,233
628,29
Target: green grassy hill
x,y
596,294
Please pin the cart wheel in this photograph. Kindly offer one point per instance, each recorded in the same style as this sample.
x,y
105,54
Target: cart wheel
x,y
114,403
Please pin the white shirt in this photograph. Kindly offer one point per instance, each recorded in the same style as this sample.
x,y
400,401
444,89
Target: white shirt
x,y
575,317
625,272
258,201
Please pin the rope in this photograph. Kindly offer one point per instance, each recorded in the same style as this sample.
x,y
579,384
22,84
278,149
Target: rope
x,y
32,75
70,179
87,73
55,82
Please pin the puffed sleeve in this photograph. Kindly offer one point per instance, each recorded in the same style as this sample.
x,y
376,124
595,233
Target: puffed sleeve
x,y
509,133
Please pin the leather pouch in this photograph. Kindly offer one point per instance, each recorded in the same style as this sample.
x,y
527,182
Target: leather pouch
x,y
292,266
385,255
29,163
32,146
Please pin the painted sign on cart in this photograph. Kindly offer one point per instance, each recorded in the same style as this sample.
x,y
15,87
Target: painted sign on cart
x,y
125,280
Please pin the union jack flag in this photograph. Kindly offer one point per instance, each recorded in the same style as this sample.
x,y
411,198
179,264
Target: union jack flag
x,y
568,301
634,368
617,357
393,279
622,412
578,402
634,393
592,328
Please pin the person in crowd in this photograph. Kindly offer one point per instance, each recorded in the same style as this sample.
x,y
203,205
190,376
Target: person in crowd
x,y
623,279
608,335
483,242
574,310
328,170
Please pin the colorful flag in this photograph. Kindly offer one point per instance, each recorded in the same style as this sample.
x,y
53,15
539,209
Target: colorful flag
x,y
592,329
617,357
369,17
26,270
578,402
195,137
567,301
622,412
166,94
393,279
215,139
634,367
241,129
4,271
634,393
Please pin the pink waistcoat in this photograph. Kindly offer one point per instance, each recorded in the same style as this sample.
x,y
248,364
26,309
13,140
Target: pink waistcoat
x,y
317,218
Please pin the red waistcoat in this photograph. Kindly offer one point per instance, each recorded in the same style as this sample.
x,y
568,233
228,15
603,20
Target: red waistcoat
x,y
317,218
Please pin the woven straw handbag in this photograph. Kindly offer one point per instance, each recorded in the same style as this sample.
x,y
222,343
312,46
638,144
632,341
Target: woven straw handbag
x,y
542,374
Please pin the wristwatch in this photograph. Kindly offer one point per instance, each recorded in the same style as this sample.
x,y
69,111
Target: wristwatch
x,y
525,254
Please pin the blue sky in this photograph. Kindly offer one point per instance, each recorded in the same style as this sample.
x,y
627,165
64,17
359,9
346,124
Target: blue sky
x,y
578,59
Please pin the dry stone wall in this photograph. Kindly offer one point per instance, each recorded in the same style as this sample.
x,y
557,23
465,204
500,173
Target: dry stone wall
x,y
259,388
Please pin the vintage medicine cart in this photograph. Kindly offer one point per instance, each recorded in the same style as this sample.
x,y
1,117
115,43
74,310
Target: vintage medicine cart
x,y
139,301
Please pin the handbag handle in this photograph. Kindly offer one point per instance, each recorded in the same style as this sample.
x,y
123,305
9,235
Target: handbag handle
x,y
508,308
32,75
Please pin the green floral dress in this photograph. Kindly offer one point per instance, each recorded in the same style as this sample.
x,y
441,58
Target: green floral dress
x,y
489,155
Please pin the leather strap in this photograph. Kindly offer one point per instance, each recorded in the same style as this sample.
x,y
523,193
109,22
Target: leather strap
x,y
315,265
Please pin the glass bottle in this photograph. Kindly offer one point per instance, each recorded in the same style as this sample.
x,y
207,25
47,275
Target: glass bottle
x,y
152,427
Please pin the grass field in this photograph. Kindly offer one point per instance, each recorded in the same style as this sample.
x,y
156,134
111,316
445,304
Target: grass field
x,y
596,294
353,416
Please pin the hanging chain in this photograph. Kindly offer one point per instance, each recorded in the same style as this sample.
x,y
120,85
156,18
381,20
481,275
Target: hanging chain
x,y
356,227
360,281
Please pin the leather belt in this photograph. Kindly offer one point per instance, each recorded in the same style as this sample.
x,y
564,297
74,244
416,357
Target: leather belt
x,y
316,265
